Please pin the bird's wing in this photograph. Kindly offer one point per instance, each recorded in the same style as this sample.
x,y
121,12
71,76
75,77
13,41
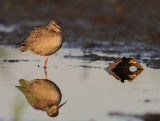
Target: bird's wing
x,y
34,35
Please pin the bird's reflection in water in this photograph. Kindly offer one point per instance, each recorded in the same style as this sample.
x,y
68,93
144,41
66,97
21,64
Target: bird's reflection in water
x,y
42,94
45,71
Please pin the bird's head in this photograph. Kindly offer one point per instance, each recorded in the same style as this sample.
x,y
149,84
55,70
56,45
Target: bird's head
x,y
56,26
53,111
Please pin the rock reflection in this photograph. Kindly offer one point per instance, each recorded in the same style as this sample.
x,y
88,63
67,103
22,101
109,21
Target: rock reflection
x,y
42,94
120,69
124,74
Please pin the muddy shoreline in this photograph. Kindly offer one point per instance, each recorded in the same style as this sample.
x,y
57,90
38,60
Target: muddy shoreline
x,y
109,27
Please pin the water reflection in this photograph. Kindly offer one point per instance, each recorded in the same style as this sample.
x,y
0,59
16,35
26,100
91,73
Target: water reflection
x,y
124,74
120,69
42,94
45,71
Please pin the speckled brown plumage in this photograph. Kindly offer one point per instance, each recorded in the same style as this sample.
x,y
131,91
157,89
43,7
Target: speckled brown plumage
x,y
42,94
44,40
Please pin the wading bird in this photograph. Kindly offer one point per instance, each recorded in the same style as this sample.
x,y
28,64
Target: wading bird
x,y
44,40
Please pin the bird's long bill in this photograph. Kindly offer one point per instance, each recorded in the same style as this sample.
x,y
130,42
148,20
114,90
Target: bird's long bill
x,y
62,104
64,33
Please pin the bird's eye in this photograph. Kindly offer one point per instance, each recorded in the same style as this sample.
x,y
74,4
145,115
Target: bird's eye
x,y
54,25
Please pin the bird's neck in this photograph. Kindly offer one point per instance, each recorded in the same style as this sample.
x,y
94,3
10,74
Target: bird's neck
x,y
45,108
49,28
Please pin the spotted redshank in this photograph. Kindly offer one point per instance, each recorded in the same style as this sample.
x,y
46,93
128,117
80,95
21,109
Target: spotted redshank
x,y
44,40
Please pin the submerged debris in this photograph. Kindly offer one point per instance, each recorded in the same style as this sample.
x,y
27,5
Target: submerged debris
x,y
152,63
16,61
91,57
85,66
120,69
151,117
145,117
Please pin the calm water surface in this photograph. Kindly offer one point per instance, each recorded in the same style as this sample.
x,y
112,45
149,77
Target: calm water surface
x,y
91,92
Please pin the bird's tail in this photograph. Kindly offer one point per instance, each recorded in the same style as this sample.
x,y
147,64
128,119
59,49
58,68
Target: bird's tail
x,y
23,49
23,82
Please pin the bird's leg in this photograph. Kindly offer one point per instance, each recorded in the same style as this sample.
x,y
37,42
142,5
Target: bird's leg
x,y
45,65
45,71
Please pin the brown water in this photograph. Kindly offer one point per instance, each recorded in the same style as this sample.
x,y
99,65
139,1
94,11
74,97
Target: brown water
x,y
91,92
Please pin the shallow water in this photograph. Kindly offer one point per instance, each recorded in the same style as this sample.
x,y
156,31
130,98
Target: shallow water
x,y
91,92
